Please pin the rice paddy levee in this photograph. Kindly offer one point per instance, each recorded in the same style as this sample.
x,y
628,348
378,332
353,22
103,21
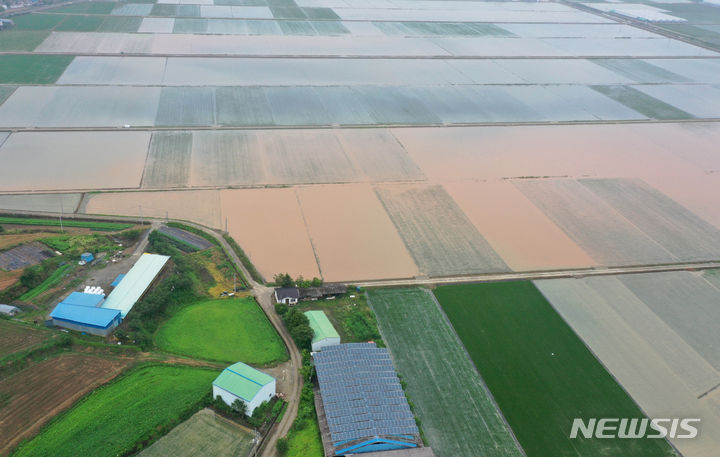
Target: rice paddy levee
x,y
458,416
539,372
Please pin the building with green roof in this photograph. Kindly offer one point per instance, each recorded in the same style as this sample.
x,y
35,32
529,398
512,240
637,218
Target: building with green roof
x,y
324,332
245,383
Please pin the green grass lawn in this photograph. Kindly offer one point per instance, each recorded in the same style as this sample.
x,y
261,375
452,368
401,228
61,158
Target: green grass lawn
x,y
37,21
21,40
305,442
114,419
225,330
94,225
32,68
45,285
459,418
540,373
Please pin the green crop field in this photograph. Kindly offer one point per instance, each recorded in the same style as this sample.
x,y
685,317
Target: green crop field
x,y
540,373
45,285
21,40
37,21
94,225
86,7
458,416
80,23
32,69
114,419
226,330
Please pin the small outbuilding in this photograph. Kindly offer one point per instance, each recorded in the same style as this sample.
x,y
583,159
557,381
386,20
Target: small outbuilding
x,y
245,383
287,295
87,257
324,332
9,310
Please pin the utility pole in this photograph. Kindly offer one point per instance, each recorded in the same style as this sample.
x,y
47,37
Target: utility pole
x,y
226,221
62,210
142,222
234,284
166,217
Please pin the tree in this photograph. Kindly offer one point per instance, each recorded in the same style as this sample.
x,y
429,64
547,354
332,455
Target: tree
x,y
294,318
316,282
31,277
302,335
302,282
284,280
239,407
281,309
282,446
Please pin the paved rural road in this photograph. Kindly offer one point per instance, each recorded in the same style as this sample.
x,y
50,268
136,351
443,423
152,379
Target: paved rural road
x,y
533,275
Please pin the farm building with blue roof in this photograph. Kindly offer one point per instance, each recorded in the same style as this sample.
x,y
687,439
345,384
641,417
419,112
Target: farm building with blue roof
x,y
88,319
94,314
362,405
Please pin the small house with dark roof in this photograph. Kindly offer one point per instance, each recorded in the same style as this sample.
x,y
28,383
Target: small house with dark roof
x,y
287,295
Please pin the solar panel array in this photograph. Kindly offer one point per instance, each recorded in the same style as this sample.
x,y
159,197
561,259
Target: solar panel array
x,y
362,395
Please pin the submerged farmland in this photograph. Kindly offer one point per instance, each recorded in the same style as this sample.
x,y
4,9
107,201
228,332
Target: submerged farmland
x,y
427,102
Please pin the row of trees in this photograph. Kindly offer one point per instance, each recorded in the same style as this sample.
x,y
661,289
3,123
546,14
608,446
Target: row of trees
x,y
285,280
297,324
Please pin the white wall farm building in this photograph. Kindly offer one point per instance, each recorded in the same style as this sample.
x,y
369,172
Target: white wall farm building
x,y
245,383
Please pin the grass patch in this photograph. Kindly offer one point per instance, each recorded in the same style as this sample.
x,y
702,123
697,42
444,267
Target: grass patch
x,y
458,415
120,417
45,285
32,69
352,317
37,21
540,373
21,40
225,330
94,225
74,245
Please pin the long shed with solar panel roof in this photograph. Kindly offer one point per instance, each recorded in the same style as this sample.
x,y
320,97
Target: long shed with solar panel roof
x,y
362,401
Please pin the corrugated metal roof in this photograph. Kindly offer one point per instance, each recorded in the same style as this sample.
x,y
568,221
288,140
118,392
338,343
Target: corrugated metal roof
x,y
85,315
242,380
135,283
321,325
83,299
118,279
